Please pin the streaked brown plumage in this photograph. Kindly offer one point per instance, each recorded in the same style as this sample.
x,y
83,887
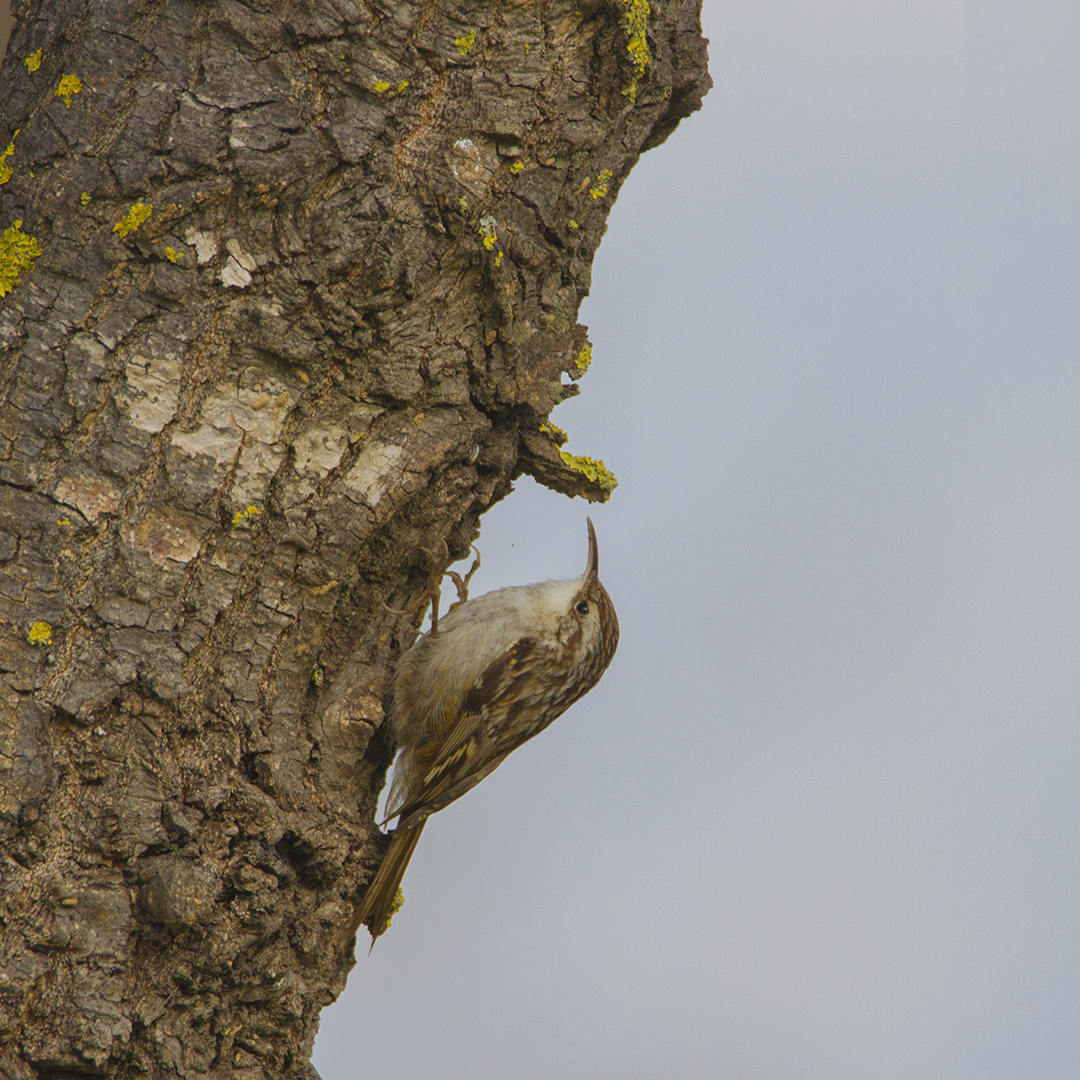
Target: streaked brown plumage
x,y
499,669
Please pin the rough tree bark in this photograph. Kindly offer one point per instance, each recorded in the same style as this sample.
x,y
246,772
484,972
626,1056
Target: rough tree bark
x,y
292,296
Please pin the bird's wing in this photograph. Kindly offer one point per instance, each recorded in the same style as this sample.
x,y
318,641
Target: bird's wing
x,y
480,740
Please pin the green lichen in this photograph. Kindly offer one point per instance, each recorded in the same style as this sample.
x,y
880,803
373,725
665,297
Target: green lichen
x,y
6,172
133,219
40,634
17,254
464,44
636,22
33,61
70,85
600,189
584,359
242,518
592,469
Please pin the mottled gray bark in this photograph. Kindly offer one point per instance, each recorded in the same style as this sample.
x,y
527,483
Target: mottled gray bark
x,y
293,294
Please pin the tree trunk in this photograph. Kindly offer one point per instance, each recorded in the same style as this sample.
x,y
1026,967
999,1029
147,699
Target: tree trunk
x,y
291,299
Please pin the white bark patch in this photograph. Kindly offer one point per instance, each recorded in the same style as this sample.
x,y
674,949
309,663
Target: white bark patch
x,y
205,245
244,258
255,416
236,273
375,470
234,276
316,452
90,496
151,392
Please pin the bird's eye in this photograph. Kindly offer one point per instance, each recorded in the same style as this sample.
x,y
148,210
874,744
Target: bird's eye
x,y
583,608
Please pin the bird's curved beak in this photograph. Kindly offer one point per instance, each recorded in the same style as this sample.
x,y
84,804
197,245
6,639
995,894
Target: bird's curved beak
x,y
592,567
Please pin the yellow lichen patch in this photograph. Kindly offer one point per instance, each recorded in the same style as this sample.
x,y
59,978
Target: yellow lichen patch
x,y
572,224
64,521
17,254
600,189
84,198
33,61
584,359
382,86
133,219
636,22
173,255
242,518
395,907
556,432
487,231
403,86
464,44
593,470
5,169
70,85
517,167
40,634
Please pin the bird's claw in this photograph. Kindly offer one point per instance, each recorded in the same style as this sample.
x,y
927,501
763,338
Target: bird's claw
x,y
433,593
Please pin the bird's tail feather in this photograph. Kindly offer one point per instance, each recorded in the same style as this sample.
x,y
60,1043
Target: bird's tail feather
x,y
380,900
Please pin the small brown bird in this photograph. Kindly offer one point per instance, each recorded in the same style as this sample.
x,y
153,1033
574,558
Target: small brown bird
x,y
497,671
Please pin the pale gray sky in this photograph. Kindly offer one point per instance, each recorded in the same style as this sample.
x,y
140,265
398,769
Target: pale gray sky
x,y
820,820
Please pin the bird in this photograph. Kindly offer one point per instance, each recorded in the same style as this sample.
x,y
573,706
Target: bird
x,y
495,671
